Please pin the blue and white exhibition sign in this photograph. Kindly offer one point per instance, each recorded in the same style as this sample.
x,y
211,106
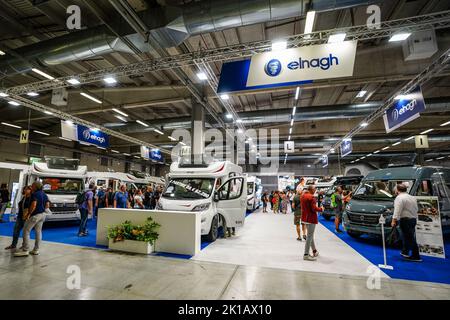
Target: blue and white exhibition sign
x,y
324,160
289,67
346,147
92,136
404,110
151,154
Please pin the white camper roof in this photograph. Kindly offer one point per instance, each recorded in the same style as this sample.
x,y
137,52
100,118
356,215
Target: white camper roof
x,y
42,169
125,177
214,169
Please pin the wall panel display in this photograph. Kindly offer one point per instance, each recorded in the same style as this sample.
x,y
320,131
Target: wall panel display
x,y
429,228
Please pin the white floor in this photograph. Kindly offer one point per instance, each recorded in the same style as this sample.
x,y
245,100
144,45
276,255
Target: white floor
x,y
269,240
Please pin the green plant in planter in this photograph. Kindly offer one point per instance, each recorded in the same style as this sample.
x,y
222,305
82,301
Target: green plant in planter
x,y
129,231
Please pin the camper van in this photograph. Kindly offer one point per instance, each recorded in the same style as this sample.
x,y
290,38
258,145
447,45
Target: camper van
x,y
325,183
62,179
217,191
376,193
349,184
143,179
254,192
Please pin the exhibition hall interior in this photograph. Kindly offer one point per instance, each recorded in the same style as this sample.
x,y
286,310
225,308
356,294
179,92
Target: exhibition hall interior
x,y
224,150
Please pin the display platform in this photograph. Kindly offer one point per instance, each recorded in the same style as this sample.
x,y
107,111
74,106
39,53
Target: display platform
x,y
431,269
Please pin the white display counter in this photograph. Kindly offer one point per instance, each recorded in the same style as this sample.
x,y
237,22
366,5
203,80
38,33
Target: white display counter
x,y
180,232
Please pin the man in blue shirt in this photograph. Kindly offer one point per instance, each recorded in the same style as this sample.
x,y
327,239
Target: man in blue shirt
x,y
121,198
86,209
39,204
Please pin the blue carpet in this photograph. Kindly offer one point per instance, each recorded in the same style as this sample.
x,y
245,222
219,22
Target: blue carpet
x,y
431,269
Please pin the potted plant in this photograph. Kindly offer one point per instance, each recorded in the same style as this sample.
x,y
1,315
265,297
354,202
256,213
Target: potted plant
x,y
133,238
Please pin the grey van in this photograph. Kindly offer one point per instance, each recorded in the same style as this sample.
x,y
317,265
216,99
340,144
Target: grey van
x,y
376,193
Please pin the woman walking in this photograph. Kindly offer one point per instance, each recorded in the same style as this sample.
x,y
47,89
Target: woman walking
x,y
309,218
276,202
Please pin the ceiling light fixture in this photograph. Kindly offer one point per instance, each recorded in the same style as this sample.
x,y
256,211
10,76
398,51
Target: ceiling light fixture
x,y
289,138
396,144
279,45
120,118
239,121
11,125
427,131
2,53
364,124
297,93
14,103
110,80
292,122
385,148
3,95
361,94
42,73
49,113
445,124
69,122
142,123
229,116
127,154
90,97
294,110
224,96
290,130
41,133
32,94
440,158
73,81
336,38
65,139
158,131
309,24
412,137
375,152
120,112
202,76
115,151
399,36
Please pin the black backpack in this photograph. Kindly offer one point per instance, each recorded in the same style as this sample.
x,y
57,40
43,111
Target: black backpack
x,y
80,198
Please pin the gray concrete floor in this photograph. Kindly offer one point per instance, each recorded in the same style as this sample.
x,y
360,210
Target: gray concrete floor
x,y
111,275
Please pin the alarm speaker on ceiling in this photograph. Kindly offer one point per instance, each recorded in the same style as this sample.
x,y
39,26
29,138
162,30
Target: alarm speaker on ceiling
x,y
60,97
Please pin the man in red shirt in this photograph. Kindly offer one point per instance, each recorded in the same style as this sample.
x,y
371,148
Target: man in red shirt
x,y
309,218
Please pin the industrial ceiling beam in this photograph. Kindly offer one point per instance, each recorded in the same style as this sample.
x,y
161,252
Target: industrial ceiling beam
x,y
66,116
436,20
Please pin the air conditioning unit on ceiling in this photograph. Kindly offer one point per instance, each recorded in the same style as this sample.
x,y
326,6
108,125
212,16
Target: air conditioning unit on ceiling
x,y
420,45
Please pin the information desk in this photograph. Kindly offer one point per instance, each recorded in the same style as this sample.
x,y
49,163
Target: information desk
x,y
180,232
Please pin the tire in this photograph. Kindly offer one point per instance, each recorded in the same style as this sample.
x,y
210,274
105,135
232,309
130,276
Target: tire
x,y
214,231
326,216
354,234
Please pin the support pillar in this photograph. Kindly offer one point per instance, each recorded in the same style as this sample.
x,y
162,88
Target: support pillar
x,y
197,133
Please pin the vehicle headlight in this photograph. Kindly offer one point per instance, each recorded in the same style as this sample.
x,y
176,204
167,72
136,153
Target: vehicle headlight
x,y
201,207
348,207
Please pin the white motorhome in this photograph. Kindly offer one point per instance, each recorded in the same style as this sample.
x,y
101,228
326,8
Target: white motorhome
x,y
217,191
143,179
325,183
111,180
62,179
254,192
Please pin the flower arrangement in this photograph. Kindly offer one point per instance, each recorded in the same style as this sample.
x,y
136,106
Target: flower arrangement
x,y
128,231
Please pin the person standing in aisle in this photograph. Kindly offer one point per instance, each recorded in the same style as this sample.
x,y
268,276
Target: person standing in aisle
x,y
270,200
338,208
121,198
309,217
264,201
276,202
156,196
101,200
109,198
39,204
148,197
138,200
405,215
86,210
24,206
4,199
297,209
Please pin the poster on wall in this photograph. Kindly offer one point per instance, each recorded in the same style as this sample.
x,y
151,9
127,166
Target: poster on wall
x,y
429,228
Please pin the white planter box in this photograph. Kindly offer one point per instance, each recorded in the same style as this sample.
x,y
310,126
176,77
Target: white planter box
x,y
131,246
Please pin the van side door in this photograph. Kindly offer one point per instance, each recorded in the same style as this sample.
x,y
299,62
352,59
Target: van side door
x,y
232,201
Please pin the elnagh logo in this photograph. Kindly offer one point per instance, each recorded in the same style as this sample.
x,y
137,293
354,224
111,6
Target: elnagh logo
x,y
87,134
396,113
273,68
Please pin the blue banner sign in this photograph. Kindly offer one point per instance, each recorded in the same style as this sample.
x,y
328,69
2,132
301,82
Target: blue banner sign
x,y
404,110
92,136
152,154
324,160
289,67
346,147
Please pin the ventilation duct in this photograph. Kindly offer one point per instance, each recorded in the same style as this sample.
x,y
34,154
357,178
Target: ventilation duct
x,y
170,26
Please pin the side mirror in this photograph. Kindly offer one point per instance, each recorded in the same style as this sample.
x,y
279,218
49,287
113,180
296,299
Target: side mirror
x,y
216,197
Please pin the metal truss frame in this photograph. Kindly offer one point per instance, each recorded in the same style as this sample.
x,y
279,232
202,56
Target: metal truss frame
x,y
432,70
66,116
385,29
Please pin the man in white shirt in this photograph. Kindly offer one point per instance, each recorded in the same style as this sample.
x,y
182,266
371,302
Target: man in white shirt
x,y
405,215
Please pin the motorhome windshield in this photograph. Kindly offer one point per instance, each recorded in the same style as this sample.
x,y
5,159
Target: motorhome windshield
x,y
189,188
380,189
62,185
250,186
